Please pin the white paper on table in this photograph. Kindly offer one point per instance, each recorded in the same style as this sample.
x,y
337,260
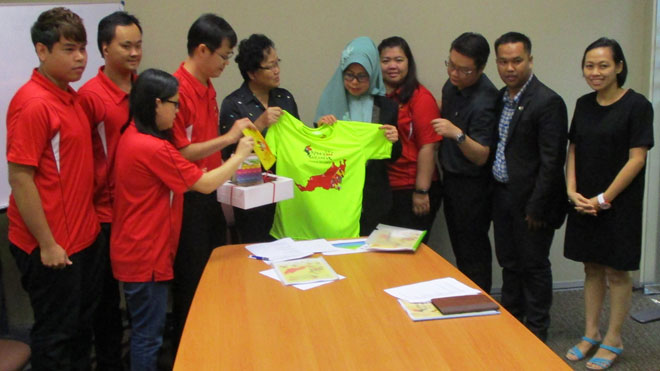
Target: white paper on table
x,y
302,286
342,250
314,246
280,250
427,290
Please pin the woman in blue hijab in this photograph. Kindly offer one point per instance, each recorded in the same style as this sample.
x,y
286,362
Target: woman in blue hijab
x,y
356,92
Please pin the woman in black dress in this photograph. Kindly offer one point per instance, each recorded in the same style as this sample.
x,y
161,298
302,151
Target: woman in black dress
x,y
611,133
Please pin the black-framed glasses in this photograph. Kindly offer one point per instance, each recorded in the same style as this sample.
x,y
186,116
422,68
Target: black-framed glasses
x,y
360,77
175,103
465,72
272,66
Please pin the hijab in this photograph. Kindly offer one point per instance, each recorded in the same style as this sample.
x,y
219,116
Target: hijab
x,y
336,100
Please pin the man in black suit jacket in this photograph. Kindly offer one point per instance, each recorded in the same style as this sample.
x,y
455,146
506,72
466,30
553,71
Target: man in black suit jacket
x,y
530,191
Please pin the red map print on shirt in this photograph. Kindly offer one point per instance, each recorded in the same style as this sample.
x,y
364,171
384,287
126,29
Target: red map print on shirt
x,y
328,180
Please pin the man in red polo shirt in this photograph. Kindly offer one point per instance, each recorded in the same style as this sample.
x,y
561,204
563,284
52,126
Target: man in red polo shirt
x,y
53,228
211,41
105,101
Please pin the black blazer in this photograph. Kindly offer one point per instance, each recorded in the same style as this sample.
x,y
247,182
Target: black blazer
x,y
536,152
377,194
388,113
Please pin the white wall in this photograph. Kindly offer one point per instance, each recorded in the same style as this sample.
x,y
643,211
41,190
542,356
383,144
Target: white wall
x,y
310,35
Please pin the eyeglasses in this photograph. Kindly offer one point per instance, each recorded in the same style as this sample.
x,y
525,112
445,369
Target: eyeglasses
x,y
463,71
175,103
360,77
273,66
225,57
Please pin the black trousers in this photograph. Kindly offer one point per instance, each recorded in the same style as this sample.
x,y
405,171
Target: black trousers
x,y
402,215
107,324
64,302
4,320
523,255
202,230
467,207
254,225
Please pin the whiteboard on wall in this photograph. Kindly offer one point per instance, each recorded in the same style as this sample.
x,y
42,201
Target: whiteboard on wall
x,y
19,59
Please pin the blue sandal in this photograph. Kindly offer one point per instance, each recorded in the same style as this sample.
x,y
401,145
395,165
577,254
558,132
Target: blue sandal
x,y
604,363
575,351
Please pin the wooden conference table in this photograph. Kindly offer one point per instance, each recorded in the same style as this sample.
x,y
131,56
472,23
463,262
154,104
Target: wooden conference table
x,y
242,320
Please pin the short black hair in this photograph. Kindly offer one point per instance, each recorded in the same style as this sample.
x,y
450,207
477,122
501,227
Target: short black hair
x,y
514,37
472,45
150,85
251,52
56,23
108,25
617,56
410,82
210,30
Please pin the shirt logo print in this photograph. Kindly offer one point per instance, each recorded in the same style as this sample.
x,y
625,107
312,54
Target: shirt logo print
x,y
318,155
331,179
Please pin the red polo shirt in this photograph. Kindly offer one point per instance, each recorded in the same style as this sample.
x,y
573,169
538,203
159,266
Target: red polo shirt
x,y
197,119
106,106
415,130
48,130
151,176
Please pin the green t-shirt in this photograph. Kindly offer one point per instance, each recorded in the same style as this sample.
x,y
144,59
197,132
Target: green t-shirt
x,y
327,166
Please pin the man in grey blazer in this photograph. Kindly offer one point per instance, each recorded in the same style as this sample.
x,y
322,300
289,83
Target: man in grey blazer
x,y
530,189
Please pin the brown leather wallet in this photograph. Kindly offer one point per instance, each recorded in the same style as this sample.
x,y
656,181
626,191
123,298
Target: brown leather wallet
x,y
464,304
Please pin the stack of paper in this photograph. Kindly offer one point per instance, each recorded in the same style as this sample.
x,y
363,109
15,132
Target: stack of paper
x,y
304,271
390,238
428,311
288,268
301,286
425,291
280,250
416,299
288,249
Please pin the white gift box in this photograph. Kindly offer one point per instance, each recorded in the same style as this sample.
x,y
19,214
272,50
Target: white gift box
x,y
256,195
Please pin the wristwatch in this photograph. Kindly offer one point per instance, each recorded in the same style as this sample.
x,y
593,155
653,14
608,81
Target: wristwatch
x,y
602,203
421,191
460,138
